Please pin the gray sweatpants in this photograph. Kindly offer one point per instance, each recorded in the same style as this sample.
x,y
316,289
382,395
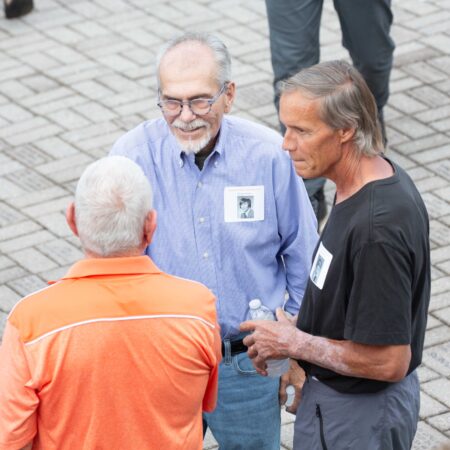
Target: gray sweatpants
x,y
386,420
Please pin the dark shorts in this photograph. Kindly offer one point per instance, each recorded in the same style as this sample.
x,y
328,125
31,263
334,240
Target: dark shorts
x,y
386,420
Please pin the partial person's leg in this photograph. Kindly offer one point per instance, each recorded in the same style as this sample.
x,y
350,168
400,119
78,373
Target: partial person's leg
x,y
17,8
247,416
402,414
294,43
306,423
366,26
384,420
338,421
316,194
294,37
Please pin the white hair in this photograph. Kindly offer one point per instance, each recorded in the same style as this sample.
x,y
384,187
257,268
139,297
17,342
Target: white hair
x,y
218,48
112,200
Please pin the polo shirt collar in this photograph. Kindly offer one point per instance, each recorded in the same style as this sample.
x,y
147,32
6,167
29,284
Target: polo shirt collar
x,y
91,267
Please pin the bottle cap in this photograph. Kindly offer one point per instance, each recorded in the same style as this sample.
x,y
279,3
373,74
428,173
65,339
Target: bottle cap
x,y
255,303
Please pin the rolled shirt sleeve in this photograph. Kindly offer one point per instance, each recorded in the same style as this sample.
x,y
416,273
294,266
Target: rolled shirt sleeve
x,y
297,226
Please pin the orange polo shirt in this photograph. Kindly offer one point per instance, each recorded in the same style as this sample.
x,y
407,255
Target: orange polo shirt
x,y
116,355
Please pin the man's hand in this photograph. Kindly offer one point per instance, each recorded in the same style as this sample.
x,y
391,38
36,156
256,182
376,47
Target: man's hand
x,y
295,376
269,340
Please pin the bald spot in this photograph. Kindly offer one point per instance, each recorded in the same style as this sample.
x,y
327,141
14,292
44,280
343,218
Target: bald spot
x,y
186,60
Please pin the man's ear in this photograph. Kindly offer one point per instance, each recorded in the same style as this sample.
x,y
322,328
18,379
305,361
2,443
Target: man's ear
x,y
229,96
346,134
149,227
70,218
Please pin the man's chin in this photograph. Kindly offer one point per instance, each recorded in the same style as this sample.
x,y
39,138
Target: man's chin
x,y
304,172
189,151
193,147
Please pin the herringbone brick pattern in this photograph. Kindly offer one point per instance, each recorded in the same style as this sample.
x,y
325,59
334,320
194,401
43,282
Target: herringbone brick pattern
x,y
75,75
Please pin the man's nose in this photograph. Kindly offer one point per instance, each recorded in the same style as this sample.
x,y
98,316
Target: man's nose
x,y
186,114
287,142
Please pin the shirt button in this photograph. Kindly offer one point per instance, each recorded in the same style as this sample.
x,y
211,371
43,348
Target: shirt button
x,y
199,184
201,220
216,164
205,255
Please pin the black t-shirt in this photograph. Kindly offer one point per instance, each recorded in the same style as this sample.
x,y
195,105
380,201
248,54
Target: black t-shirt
x,y
370,278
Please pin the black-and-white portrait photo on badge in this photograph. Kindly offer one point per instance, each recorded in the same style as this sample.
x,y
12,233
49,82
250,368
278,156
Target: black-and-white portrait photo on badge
x,y
244,207
243,203
320,266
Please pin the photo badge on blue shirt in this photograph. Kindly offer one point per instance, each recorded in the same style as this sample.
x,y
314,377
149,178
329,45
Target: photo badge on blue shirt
x,y
243,203
320,266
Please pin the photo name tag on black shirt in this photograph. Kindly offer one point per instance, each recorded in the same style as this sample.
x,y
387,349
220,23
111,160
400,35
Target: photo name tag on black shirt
x,y
320,266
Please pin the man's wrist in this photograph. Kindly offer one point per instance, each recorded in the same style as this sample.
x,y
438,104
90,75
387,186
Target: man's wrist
x,y
295,344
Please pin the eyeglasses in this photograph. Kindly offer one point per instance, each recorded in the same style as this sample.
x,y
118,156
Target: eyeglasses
x,y
198,106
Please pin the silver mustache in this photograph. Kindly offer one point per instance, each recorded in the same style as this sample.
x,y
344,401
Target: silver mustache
x,y
197,123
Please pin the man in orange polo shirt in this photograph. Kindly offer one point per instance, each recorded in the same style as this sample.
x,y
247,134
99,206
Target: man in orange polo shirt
x,y
116,354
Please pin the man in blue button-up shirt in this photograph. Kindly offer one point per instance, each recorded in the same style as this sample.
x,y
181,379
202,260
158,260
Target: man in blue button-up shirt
x,y
201,164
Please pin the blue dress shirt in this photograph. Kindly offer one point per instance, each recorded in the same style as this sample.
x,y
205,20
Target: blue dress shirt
x,y
237,260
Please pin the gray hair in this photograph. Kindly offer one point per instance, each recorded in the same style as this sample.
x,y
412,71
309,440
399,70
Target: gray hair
x,y
345,101
112,200
218,48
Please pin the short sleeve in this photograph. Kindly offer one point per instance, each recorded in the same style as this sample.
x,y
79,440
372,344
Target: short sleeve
x,y
210,397
18,399
379,307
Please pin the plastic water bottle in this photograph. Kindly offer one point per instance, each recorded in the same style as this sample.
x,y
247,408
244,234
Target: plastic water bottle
x,y
275,367
290,391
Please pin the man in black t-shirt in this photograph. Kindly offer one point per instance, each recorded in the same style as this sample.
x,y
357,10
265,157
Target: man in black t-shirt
x,y
361,326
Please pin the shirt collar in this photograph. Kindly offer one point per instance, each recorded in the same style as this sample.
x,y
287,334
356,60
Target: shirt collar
x,y
223,132
91,267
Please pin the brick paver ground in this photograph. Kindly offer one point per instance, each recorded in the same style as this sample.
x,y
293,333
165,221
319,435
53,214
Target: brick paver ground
x,y
74,75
